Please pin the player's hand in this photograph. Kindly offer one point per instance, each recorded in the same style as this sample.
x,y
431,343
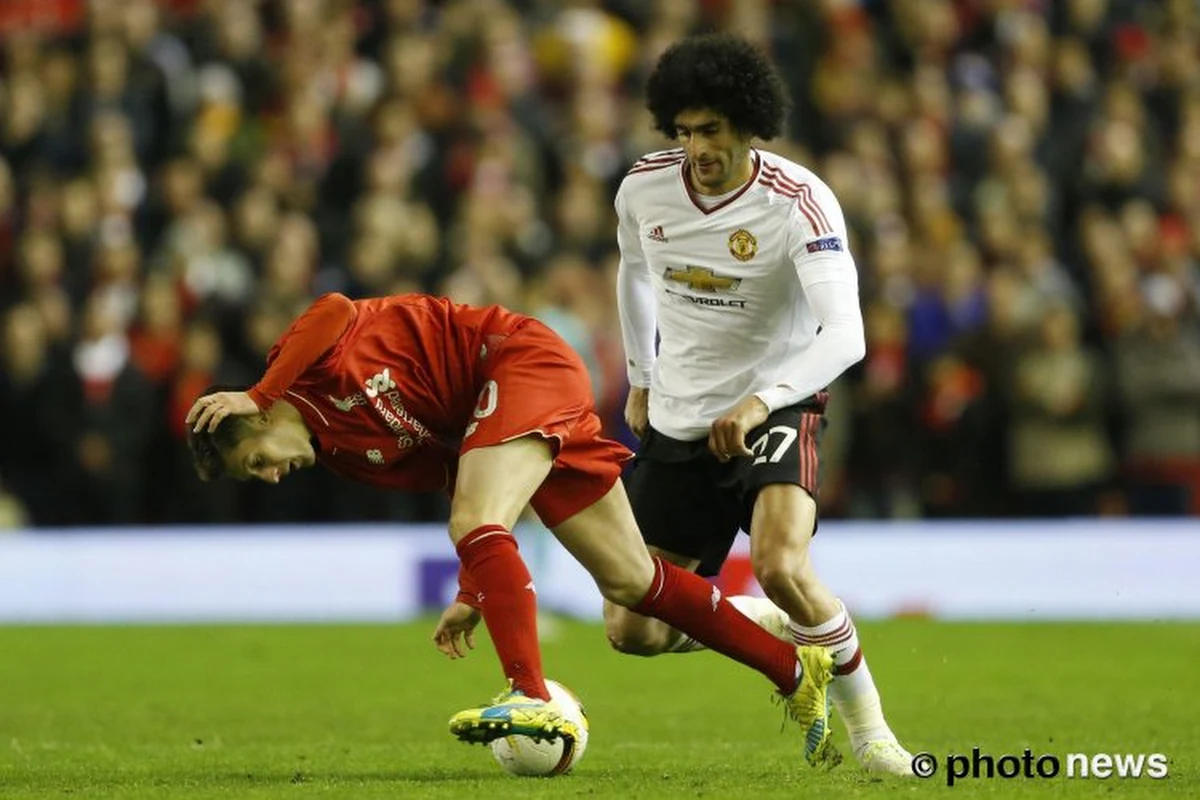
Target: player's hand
x,y
727,438
208,411
456,628
637,410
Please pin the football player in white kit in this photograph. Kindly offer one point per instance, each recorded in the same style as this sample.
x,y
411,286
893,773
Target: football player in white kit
x,y
737,259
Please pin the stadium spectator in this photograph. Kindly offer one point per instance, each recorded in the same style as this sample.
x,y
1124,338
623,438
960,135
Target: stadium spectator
x,y
32,427
1158,373
995,161
1059,453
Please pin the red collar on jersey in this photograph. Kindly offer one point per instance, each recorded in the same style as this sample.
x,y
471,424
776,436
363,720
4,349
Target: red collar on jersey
x,y
687,185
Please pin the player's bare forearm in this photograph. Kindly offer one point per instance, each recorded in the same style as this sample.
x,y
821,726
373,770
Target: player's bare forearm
x,y
637,410
208,411
456,628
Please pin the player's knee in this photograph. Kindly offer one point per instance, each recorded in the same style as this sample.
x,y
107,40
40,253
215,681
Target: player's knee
x,y
460,525
633,634
466,519
624,582
782,571
468,513
633,645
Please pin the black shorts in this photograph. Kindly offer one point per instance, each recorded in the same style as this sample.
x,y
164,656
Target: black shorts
x,y
689,503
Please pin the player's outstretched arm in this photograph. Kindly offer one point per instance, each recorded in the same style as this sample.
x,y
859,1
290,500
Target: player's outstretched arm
x,y
310,337
456,628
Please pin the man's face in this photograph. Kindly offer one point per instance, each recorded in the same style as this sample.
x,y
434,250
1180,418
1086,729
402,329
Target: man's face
x,y
272,451
718,155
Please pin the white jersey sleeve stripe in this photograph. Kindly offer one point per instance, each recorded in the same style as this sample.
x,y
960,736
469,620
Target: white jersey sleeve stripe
x,y
808,207
803,193
790,192
662,155
778,175
665,154
807,201
653,166
782,179
658,162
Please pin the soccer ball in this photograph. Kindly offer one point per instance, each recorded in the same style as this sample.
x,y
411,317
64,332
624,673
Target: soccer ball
x,y
522,755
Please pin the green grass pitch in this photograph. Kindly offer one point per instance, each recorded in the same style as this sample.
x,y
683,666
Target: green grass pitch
x,y
360,712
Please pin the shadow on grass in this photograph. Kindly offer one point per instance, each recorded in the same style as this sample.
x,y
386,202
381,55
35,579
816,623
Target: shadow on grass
x,y
441,775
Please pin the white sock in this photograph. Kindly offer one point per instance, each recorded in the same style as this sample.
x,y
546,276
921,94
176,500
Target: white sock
x,y
853,691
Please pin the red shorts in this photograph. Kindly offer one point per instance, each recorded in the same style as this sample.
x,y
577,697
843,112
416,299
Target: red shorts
x,y
536,384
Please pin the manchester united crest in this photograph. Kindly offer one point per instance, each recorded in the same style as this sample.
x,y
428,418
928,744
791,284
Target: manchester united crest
x,y
743,245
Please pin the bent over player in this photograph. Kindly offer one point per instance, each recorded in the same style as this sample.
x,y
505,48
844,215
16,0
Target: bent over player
x,y
416,393
737,259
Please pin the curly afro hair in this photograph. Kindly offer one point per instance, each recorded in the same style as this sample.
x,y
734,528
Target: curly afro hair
x,y
720,72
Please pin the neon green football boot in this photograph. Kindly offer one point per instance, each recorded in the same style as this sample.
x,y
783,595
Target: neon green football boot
x,y
511,713
809,705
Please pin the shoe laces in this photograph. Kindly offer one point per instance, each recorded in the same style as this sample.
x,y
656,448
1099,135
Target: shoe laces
x,y
789,712
505,695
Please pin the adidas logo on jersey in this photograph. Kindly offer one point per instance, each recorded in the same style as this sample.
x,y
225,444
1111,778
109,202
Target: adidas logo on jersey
x,y
656,234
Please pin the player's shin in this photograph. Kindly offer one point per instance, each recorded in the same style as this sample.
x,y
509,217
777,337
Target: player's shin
x,y
509,604
692,605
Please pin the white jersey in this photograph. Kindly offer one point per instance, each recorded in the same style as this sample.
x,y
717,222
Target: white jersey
x,y
732,290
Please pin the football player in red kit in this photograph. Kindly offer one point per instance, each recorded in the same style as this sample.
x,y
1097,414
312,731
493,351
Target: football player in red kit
x,y
416,393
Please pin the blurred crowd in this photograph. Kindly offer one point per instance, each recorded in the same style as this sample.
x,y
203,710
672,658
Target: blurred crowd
x,y
178,179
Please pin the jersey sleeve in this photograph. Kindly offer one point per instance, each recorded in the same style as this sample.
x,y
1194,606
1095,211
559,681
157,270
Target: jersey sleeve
x,y
817,247
311,336
816,238
635,296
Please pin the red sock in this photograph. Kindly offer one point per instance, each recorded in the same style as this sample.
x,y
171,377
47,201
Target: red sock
x,y
691,604
489,555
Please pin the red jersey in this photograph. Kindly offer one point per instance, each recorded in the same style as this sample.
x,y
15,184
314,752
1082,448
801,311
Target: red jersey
x,y
395,388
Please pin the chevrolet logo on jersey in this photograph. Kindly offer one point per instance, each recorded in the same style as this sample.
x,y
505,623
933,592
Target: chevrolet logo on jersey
x,y
702,279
